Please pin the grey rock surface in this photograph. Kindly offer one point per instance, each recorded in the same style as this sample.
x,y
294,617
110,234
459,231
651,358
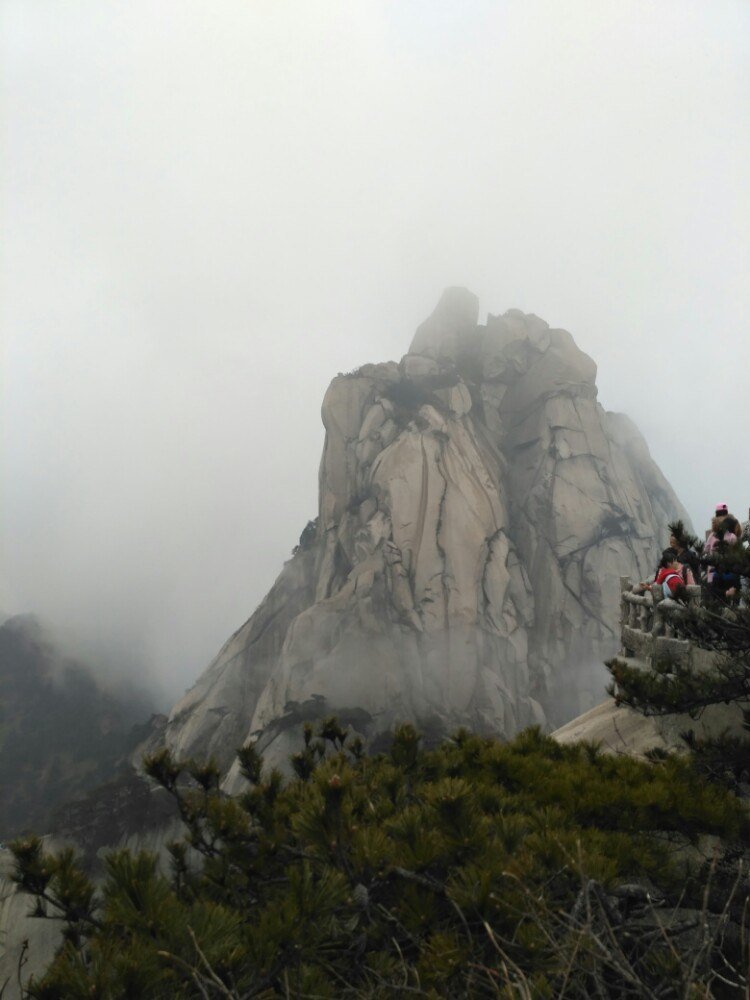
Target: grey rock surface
x,y
477,507
619,729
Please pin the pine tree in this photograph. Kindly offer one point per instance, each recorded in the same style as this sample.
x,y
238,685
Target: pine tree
x,y
476,869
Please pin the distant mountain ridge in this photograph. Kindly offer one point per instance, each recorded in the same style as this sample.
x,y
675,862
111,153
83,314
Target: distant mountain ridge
x,y
61,732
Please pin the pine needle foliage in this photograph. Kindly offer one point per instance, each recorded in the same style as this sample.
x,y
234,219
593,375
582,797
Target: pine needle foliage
x,y
473,869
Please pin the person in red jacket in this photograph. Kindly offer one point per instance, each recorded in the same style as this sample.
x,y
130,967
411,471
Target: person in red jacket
x,y
669,575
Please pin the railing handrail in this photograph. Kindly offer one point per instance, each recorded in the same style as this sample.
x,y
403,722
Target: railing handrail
x,y
638,598
646,619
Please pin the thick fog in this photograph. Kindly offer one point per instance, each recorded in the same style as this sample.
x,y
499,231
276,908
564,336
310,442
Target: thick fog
x,y
210,209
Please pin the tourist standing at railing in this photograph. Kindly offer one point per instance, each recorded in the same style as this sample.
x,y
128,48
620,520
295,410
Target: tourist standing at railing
x,y
726,522
686,556
725,531
745,582
689,562
669,577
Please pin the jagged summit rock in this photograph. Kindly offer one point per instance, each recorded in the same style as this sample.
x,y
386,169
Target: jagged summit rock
x,y
452,323
477,506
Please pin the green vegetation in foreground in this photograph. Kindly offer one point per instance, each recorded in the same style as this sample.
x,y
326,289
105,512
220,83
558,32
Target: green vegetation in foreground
x,y
524,869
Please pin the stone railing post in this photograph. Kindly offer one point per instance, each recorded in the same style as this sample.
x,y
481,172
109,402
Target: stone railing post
x,y
625,586
643,618
657,597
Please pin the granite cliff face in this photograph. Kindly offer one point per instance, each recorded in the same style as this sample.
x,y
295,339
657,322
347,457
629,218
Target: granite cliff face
x,y
477,507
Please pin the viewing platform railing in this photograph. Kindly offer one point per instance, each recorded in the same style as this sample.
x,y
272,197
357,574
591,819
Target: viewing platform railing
x,y
647,623
649,641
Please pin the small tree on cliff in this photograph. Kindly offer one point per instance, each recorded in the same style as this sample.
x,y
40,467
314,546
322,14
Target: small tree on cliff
x,y
721,625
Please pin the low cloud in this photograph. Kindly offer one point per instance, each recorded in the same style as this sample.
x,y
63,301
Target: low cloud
x,y
209,210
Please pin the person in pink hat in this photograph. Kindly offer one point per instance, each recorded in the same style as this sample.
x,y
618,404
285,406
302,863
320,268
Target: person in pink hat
x,y
724,521
725,530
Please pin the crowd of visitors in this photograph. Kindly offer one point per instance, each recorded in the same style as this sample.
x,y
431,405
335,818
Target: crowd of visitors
x,y
687,562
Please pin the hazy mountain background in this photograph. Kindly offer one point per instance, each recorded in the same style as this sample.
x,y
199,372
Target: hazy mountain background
x,y
60,733
208,210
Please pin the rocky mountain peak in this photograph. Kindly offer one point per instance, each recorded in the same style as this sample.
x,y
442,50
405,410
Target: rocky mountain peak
x,y
477,507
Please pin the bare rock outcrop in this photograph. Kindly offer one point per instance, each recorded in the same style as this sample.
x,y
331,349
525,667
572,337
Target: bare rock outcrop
x,y
477,508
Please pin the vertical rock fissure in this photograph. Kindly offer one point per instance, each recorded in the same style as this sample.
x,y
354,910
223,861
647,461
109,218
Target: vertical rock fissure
x,y
438,530
424,488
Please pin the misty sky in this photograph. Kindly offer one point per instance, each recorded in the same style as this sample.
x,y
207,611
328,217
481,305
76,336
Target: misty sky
x,y
210,209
